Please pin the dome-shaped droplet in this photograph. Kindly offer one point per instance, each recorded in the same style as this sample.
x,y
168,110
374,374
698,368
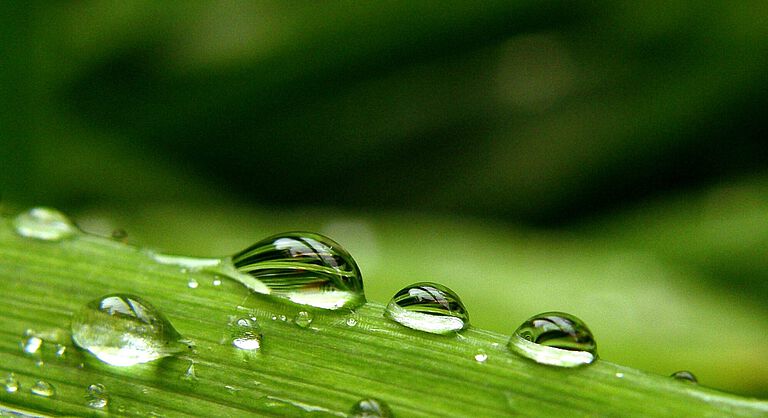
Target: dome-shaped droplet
x,y
123,330
45,224
685,376
555,338
43,388
96,396
303,319
246,334
305,268
428,307
11,383
370,408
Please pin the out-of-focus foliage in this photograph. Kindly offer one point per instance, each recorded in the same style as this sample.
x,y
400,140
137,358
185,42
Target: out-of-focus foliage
x,y
633,127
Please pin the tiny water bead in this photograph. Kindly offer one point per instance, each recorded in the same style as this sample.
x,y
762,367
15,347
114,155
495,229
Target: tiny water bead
x,y
303,319
193,284
370,408
42,388
556,339
685,375
96,396
481,356
124,330
11,383
428,307
303,267
246,334
44,224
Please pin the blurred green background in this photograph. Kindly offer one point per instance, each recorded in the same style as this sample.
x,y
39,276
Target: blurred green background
x,y
607,159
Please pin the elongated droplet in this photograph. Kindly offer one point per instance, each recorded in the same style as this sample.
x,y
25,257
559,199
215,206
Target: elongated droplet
x,y
96,396
303,319
11,383
246,334
556,339
123,330
42,388
428,307
45,224
685,376
303,267
370,408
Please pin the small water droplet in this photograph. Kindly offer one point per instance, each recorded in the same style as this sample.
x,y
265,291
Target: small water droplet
x,y
45,224
556,339
96,396
216,282
685,375
370,408
119,234
42,388
32,344
351,322
481,356
11,383
428,307
619,375
61,350
303,267
123,330
193,284
246,334
303,319
190,374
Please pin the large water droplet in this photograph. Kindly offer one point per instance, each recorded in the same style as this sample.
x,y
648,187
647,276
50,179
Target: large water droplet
x,y
685,376
303,319
123,330
556,339
11,383
303,267
42,388
428,307
45,224
370,408
96,396
31,344
246,334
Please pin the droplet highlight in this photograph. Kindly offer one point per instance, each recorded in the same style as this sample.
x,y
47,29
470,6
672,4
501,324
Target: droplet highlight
x,y
685,376
124,330
193,284
42,388
370,408
246,334
481,356
303,319
31,344
556,339
428,307
44,224
303,267
96,396
11,383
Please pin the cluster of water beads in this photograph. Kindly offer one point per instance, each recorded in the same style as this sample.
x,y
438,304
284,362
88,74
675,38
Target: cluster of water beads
x,y
124,330
428,307
556,339
370,408
44,224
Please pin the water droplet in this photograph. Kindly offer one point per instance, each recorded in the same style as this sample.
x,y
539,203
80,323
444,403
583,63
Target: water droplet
x,y
481,356
193,284
246,334
61,350
45,224
42,388
96,396
428,307
351,322
32,344
119,234
11,383
216,282
370,408
190,374
303,319
685,376
123,330
619,375
556,339
303,267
